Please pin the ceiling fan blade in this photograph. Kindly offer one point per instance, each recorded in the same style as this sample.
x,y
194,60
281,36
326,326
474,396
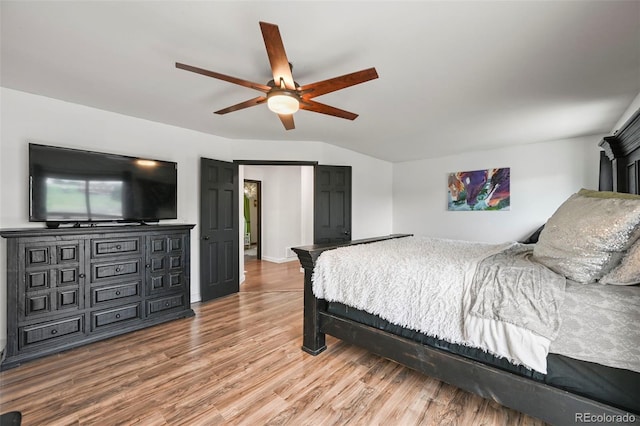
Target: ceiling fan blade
x,y
331,85
287,121
243,105
277,56
326,109
257,86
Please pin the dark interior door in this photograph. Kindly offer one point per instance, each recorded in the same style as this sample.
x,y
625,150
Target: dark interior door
x,y
332,204
219,229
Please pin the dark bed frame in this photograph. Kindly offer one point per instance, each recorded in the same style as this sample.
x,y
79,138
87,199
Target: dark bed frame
x,y
620,171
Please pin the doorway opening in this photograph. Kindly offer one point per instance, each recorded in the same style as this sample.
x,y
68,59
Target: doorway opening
x,y
252,219
284,211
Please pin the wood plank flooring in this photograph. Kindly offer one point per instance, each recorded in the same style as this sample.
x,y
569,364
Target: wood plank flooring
x,y
237,362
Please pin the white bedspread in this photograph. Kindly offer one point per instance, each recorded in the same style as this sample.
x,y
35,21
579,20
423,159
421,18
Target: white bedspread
x,y
513,307
601,324
426,293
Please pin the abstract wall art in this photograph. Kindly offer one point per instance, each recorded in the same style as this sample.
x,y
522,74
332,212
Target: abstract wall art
x,y
479,190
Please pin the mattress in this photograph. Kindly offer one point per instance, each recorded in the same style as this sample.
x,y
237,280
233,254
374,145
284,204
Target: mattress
x,y
613,386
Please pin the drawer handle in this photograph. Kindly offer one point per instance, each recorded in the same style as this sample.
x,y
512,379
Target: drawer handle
x,y
118,269
54,331
118,293
117,315
118,247
166,304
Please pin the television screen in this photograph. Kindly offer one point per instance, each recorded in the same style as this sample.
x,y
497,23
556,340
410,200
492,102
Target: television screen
x,y
70,185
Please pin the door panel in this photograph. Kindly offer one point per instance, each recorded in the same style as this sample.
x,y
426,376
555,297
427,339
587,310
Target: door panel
x,y
230,256
332,204
212,262
212,212
228,208
219,229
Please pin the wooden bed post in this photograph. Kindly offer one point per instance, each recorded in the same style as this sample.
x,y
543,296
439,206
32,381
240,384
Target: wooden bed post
x,y
313,341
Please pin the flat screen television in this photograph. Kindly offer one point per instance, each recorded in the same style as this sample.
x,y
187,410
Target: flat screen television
x,y
75,186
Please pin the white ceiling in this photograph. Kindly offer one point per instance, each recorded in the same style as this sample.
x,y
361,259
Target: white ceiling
x,y
454,76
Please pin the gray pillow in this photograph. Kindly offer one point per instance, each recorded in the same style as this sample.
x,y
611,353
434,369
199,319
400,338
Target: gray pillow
x,y
628,271
588,234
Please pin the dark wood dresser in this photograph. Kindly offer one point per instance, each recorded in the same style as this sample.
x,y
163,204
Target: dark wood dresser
x,y
68,287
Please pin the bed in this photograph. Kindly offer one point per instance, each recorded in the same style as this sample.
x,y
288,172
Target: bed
x,y
552,385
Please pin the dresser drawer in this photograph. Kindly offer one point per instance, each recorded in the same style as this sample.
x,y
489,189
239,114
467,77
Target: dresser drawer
x,y
116,315
165,303
103,271
113,246
48,302
115,292
33,334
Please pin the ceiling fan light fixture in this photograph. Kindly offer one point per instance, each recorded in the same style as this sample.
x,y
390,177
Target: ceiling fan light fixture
x,y
283,102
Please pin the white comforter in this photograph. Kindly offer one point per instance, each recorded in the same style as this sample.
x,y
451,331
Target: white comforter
x,y
424,284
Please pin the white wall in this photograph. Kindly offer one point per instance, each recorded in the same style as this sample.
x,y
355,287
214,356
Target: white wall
x,y
306,205
543,175
633,107
30,118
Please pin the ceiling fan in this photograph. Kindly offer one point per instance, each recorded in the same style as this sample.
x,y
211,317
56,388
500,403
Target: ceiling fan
x,y
282,94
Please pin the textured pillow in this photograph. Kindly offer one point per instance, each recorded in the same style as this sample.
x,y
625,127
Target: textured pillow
x,y
588,234
628,271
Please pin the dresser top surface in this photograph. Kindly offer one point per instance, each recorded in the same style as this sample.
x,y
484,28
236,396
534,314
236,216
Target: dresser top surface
x,y
91,230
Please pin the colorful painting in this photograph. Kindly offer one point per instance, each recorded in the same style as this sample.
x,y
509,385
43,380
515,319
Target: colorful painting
x,y
480,190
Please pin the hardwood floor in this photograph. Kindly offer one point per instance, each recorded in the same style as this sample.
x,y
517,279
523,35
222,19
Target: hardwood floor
x,y
238,361
269,276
